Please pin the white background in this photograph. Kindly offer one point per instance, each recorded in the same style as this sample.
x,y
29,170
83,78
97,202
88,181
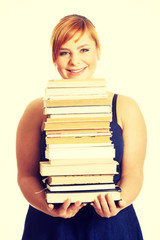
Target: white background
x,y
129,32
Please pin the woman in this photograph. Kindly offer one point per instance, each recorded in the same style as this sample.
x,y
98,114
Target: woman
x,y
75,52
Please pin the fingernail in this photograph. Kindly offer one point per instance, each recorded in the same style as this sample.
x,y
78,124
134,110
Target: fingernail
x,y
78,203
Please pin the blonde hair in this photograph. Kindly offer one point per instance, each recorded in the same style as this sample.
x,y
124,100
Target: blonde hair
x,y
67,28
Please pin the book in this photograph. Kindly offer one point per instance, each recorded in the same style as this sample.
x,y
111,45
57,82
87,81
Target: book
x,y
76,110
100,82
81,116
79,149
75,145
72,153
75,141
75,91
47,169
78,133
77,102
79,179
73,97
56,162
80,187
83,196
76,125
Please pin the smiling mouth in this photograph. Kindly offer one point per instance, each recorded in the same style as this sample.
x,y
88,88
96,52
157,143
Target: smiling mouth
x,y
76,70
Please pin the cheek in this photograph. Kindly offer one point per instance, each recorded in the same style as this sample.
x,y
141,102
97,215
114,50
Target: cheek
x,y
92,61
60,63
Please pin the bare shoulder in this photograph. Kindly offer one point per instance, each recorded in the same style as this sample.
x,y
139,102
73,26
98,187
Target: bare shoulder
x,y
33,114
126,103
35,106
128,111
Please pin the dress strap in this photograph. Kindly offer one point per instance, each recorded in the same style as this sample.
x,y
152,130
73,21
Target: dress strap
x,y
114,112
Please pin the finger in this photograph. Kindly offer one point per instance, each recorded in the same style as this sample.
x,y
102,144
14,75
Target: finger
x,y
122,203
111,204
50,206
84,204
75,207
97,204
77,204
66,204
104,204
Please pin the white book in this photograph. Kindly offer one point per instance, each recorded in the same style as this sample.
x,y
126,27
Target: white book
x,y
85,115
77,110
75,91
56,162
81,187
74,83
82,96
83,196
46,169
92,152
78,145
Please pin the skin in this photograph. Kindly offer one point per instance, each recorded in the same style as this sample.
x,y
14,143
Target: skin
x,y
81,56
78,59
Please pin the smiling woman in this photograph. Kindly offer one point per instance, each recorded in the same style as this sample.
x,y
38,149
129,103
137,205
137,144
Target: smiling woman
x,y
75,52
77,58
75,47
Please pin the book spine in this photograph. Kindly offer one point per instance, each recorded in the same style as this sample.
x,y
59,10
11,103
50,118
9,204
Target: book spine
x,y
77,110
75,91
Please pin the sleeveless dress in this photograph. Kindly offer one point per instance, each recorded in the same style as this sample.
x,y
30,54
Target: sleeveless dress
x,y
86,224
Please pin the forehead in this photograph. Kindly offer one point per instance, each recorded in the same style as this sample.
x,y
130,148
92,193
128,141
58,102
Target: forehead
x,y
78,40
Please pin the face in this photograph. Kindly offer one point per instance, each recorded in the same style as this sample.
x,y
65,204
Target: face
x,y
77,59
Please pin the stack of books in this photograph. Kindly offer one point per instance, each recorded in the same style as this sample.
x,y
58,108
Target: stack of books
x,y
79,150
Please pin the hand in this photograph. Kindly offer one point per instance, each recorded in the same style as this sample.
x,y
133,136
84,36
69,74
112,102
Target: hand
x,y
105,206
66,210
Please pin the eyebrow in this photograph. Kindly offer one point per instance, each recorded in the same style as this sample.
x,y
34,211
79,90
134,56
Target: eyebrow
x,y
84,45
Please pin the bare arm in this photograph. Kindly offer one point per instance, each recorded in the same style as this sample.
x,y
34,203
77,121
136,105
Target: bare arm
x,y
28,157
135,141
134,137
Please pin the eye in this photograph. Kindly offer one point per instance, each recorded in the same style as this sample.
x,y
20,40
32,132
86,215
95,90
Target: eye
x,y
84,50
63,53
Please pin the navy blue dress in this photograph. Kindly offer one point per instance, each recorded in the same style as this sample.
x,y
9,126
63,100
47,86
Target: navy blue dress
x,y
86,224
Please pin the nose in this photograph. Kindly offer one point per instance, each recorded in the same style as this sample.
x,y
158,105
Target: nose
x,y
74,59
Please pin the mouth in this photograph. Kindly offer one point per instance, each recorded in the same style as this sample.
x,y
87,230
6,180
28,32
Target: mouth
x,y
76,71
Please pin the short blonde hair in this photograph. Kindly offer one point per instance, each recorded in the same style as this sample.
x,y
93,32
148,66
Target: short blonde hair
x,y
67,28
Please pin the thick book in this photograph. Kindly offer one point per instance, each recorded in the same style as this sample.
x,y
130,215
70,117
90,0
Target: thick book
x,y
76,125
77,102
79,109
79,118
46,169
79,152
83,196
75,141
65,83
80,187
56,162
79,179
75,91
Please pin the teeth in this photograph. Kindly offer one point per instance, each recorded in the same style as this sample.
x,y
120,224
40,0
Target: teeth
x,y
76,71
